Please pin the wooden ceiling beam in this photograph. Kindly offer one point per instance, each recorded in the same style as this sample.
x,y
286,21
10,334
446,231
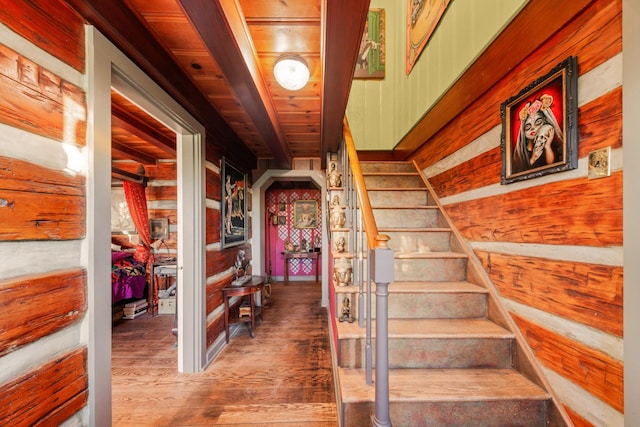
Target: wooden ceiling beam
x,y
131,154
344,26
124,29
142,130
222,28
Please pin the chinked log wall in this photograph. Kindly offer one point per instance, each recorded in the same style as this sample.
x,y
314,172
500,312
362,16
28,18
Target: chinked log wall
x,y
219,262
43,297
568,305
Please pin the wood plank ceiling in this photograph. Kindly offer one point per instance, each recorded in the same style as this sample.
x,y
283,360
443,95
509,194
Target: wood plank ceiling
x,y
227,50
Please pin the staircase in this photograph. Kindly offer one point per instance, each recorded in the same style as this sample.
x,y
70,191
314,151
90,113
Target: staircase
x,y
455,356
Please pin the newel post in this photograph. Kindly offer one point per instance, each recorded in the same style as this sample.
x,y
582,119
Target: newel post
x,y
382,274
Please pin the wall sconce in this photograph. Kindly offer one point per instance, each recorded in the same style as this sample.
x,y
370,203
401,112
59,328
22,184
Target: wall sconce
x,y
291,72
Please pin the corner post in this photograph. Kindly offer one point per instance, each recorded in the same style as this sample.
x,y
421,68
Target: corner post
x,y
382,263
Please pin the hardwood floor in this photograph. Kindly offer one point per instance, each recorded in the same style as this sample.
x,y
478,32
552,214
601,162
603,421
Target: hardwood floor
x,y
282,377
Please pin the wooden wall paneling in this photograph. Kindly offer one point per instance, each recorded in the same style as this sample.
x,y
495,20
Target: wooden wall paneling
x,y
586,293
163,192
478,172
218,261
212,227
574,212
40,203
39,305
63,27
595,371
33,98
599,124
578,421
599,25
49,395
213,188
214,329
214,292
167,171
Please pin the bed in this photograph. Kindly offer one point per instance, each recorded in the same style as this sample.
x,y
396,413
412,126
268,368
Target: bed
x,y
128,278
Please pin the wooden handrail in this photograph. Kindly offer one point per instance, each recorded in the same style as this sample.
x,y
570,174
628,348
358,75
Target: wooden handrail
x,y
371,229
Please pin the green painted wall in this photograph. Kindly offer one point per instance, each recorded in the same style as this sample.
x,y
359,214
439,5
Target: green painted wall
x,y
381,112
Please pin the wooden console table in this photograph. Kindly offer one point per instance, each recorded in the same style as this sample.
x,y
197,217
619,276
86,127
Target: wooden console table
x,y
313,256
247,289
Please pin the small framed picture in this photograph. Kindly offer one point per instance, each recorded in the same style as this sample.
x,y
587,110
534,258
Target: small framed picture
x,y
159,228
305,214
540,126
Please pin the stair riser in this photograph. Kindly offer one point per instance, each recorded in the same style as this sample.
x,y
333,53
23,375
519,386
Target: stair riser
x,y
433,353
512,413
407,218
423,305
399,198
372,167
391,181
419,241
434,306
435,270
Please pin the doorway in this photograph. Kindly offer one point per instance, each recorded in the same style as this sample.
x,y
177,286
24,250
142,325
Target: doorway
x,y
108,68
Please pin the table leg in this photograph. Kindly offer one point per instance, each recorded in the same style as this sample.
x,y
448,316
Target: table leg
x,y
226,318
286,270
253,312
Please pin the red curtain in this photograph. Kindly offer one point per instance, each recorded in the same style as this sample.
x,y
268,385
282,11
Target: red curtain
x,y
137,203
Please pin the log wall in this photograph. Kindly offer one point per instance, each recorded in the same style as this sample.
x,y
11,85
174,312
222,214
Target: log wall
x,y
552,245
219,261
43,298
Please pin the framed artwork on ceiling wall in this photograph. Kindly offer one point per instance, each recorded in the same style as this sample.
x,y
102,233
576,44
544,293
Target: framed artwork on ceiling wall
x,y
305,214
372,53
423,17
233,223
540,126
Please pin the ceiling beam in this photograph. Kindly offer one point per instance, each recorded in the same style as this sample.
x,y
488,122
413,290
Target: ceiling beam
x,y
124,29
340,51
222,28
131,154
135,126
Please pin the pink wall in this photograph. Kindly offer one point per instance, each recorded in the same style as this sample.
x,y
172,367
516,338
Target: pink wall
x,y
277,234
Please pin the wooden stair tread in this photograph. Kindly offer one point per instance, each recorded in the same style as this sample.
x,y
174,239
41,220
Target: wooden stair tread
x,y
434,287
428,255
439,385
431,207
390,173
431,328
397,189
415,230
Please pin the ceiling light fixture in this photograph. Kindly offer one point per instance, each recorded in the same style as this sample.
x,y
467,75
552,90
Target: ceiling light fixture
x,y
291,72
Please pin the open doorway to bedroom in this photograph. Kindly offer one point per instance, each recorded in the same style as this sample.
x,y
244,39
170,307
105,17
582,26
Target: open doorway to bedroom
x,y
109,69
144,240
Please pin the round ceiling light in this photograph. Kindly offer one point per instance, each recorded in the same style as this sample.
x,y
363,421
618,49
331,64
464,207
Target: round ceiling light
x,y
291,72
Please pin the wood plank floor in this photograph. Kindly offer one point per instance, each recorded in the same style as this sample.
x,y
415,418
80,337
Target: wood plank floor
x,y
282,377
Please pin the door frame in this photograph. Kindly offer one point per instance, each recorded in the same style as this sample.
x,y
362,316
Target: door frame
x,y
108,67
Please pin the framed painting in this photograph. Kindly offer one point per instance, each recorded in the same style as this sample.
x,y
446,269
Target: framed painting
x,y
540,126
372,53
159,228
423,17
305,214
233,221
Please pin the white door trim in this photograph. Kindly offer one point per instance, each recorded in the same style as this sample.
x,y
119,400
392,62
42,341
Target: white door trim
x,y
107,67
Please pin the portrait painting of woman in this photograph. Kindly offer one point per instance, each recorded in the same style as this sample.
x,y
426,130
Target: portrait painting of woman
x,y
539,132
